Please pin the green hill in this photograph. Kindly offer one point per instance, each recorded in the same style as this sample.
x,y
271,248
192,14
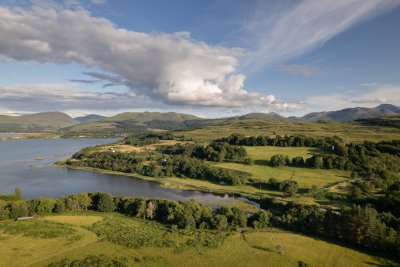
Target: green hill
x,y
45,121
134,122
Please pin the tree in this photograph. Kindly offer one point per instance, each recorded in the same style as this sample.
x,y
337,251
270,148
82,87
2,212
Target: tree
x,y
59,206
298,161
78,202
248,161
18,193
18,209
46,205
315,162
150,209
219,222
289,187
105,202
260,219
4,212
279,160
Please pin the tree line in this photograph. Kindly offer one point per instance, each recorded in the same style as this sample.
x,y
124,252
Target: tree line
x,y
215,151
329,143
184,215
166,166
147,139
358,225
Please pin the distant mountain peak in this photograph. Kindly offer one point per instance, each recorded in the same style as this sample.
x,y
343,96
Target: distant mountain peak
x,y
349,114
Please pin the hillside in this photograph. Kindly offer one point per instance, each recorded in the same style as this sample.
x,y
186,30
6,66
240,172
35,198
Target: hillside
x,y
350,114
259,116
134,122
108,239
89,117
45,121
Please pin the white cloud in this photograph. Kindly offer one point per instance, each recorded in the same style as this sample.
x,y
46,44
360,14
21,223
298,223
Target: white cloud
x,y
64,97
285,29
380,94
172,68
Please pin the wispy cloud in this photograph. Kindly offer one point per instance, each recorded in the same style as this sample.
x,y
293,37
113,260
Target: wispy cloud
x,y
84,81
282,30
297,69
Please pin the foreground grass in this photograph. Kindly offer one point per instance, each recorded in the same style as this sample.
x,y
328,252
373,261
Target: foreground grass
x,y
137,242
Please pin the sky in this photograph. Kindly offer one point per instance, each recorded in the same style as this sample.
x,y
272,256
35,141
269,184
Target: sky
x,y
211,58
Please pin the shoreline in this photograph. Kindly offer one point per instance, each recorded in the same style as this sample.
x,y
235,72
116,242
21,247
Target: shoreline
x,y
241,196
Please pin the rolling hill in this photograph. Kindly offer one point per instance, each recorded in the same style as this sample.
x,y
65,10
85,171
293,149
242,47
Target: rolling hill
x,y
350,114
45,121
134,122
89,117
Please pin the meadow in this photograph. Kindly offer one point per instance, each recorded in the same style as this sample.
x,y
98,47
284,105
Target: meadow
x,y
349,131
135,242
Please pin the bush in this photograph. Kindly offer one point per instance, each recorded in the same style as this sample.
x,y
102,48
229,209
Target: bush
x,y
18,209
279,160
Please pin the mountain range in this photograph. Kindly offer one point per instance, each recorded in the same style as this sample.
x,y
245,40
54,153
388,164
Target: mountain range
x,y
45,121
350,114
136,122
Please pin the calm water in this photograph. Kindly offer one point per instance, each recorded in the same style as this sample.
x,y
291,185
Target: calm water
x,y
10,134
27,164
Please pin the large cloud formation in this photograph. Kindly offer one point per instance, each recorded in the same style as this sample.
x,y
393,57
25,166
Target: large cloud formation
x,y
172,68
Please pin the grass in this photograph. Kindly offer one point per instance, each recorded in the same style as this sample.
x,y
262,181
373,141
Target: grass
x,y
87,220
304,176
39,229
194,248
138,233
349,132
262,153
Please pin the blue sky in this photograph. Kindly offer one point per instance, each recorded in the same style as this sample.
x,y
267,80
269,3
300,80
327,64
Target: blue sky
x,y
209,58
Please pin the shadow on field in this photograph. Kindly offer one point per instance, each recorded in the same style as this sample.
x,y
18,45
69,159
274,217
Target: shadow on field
x,y
262,162
379,264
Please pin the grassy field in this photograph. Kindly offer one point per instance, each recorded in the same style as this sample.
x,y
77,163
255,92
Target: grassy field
x,y
144,243
304,176
266,152
350,132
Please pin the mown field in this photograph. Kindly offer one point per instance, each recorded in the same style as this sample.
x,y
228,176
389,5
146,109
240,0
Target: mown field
x,y
136,242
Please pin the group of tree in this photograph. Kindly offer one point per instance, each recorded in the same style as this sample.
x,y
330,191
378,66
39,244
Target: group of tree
x,y
147,139
328,143
359,225
180,166
316,162
289,187
185,215
368,159
215,151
